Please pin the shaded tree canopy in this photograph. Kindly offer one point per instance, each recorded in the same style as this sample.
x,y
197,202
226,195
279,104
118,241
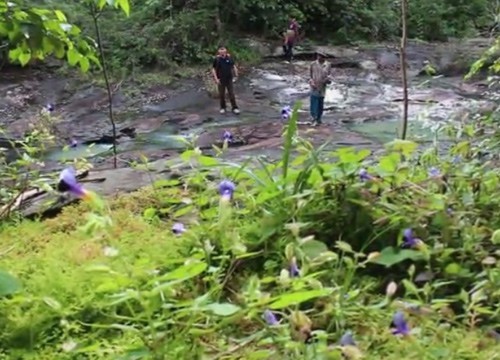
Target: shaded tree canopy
x,y
159,32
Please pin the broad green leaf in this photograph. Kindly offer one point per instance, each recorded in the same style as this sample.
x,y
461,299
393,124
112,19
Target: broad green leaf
x,y
73,56
185,272
124,5
345,247
207,161
495,237
223,309
391,256
149,213
453,269
314,248
24,58
299,297
8,284
389,163
60,15
101,4
84,64
406,147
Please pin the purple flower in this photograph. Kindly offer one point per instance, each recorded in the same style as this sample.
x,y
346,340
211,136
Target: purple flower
x,y
226,189
400,325
270,318
68,182
409,240
286,112
73,143
364,175
227,136
434,172
178,228
457,159
50,107
347,339
294,269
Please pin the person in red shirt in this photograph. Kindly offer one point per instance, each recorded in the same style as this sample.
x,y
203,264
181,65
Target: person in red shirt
x,y
290,39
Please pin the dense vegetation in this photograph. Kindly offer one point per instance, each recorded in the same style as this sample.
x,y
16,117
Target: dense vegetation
x,y
158,32
316,256
278,264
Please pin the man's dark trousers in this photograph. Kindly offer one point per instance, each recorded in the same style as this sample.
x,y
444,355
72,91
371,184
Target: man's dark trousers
x,y
223,86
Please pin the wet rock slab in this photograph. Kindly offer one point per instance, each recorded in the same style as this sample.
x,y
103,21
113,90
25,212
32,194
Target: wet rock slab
x,y
105,182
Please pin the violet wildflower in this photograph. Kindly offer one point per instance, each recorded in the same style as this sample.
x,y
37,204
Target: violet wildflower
x,y
73,143
178,228
365,176
270,318
400,325
347,339
409,240
69,183
434,172
294,269
226,189
227,136
286,112
456,160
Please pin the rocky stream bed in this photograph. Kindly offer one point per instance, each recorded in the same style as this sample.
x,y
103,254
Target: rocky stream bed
x,y
363,109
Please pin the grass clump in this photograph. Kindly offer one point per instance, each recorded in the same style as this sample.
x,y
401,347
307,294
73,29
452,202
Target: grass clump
x,y
303,259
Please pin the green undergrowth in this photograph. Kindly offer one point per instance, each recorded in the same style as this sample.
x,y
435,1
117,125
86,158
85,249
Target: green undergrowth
x,y
112,281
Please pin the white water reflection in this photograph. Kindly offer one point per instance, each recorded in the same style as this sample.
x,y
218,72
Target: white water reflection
x,y
78,152
364,97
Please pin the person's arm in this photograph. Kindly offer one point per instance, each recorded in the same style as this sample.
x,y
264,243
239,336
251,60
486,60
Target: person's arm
x,y
235,69
214,70
311,80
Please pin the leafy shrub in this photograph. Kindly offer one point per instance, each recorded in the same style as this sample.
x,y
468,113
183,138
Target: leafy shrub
x,y
309,242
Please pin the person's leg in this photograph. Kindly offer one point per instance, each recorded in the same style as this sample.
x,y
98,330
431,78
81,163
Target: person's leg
x,y
232,98
222,96
313,107
321,104
290,50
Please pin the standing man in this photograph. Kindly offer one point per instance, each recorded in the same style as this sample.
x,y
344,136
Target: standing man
x,y
225,72
319,73
291,36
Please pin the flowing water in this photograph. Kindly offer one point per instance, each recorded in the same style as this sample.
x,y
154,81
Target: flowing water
x,y
363,101
372,106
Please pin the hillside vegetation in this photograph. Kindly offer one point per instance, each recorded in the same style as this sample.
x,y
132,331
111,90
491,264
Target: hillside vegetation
x,y
159,32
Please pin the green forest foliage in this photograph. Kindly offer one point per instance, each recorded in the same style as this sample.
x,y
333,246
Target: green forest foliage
x,y
159,32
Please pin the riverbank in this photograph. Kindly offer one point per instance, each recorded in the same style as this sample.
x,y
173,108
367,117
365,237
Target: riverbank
x,y
157,117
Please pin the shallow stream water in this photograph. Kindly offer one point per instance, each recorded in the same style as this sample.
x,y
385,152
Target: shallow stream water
x,y
363,101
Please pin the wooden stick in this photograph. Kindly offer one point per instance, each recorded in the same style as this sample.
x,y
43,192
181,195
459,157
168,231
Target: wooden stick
x,y
402,53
